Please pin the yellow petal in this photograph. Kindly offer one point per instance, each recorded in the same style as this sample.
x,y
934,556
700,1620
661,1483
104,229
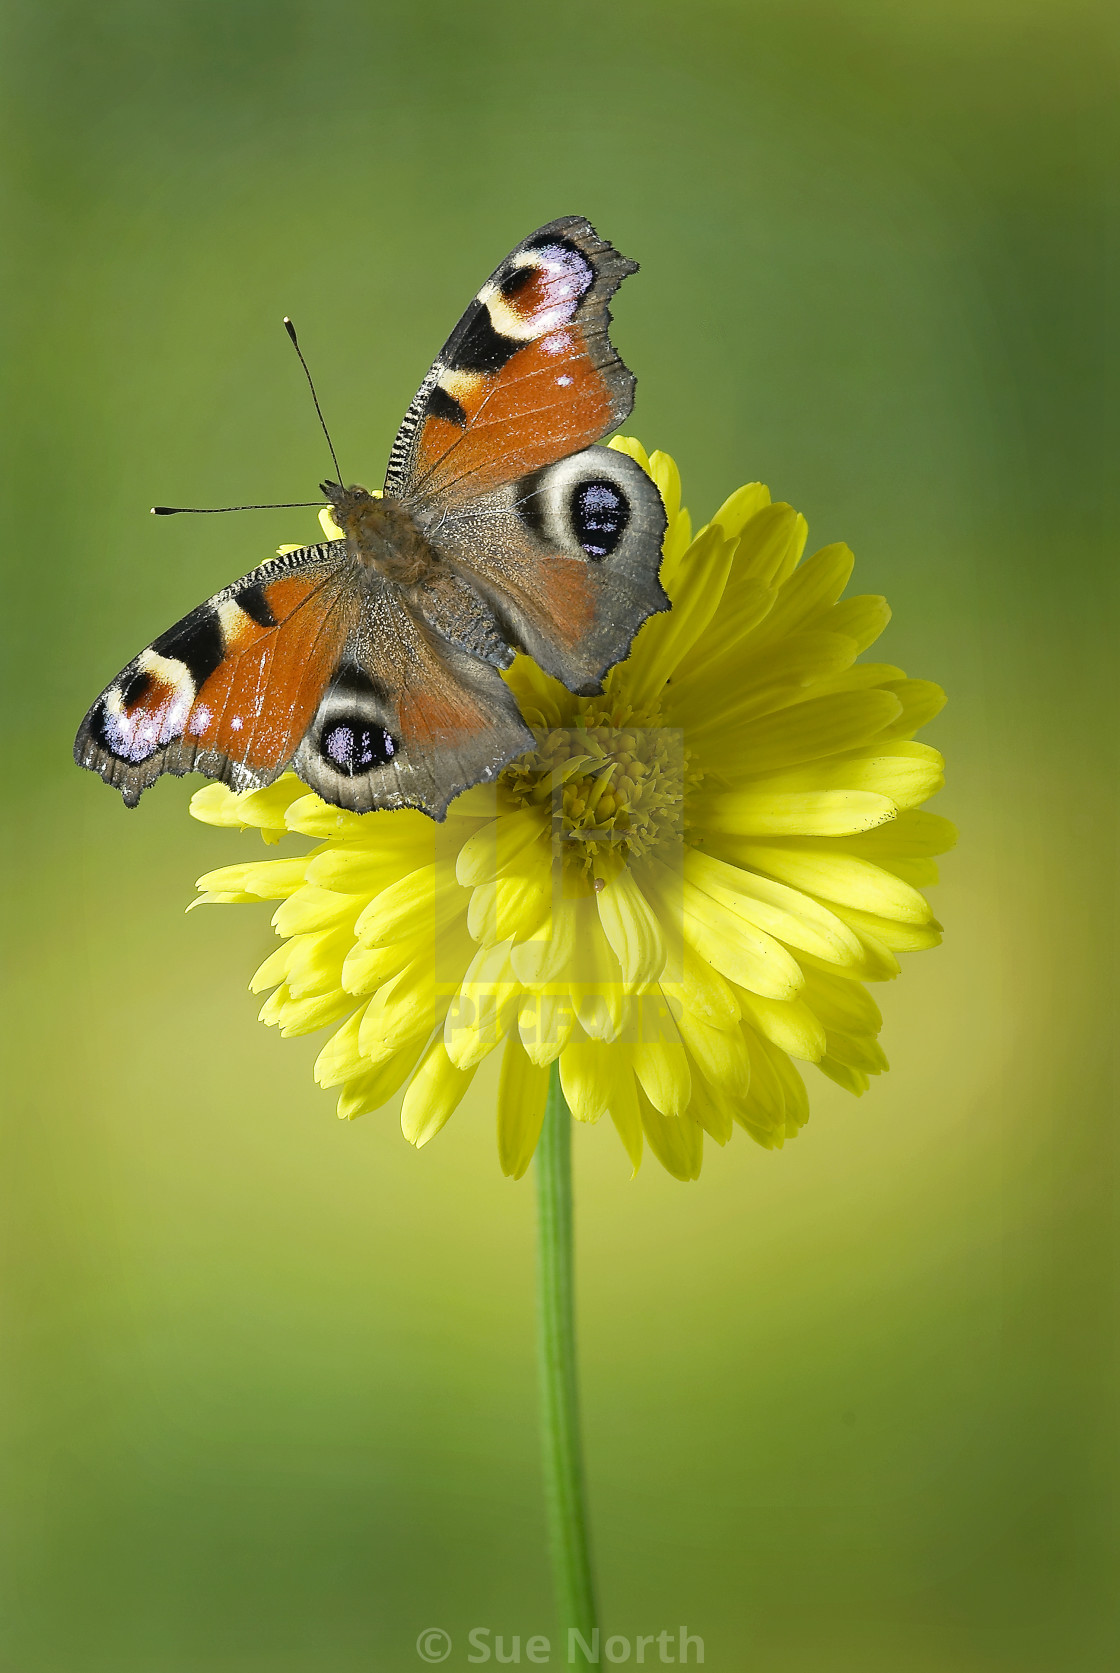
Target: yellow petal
x,y
493,849
794,1095
701,989
433,1096
311,816
912,835
840,1004
315,964
304,1016
480,1013
365,969
522,1095
744,604
908,773
895,934
862,619
794,812
808,593
788,1024
818,727
545,1021
216,804
273,1006
763,1111
586,1078
274,969
549,954
719,1053
771,545
723,938
404,1009
633,450
736,692
677,1142
836,876
857,1051
424,902
738,509
712,1109
374,1087
661,1066
516,905
626,1113
921,700
341,1058
354,870
254,880
663,469
852,1080
538,695
860,677
632,929
310,908
598,992
664,639
781,912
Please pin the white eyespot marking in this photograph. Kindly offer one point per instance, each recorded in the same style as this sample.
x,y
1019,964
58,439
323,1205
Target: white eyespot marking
x,y
200,719
160,707
564,380
236,723
543,302
557,342
179,681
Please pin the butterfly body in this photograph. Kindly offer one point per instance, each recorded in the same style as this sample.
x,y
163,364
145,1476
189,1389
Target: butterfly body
x,y
371,664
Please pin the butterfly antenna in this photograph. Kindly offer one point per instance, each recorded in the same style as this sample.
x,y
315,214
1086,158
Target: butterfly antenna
x,y
213,510
291,330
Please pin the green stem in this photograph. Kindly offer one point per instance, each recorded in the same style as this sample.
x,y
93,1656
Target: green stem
x,y
556,1356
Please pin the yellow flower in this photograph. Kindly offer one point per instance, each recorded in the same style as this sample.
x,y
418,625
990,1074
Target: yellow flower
x,y
683,890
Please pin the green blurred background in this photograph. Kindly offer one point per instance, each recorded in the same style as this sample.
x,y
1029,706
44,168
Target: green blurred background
x,y
269,1381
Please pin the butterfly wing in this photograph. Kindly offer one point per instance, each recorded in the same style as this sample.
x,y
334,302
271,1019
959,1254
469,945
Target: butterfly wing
x,y
229,690
528,376
407,718
313,662
567,559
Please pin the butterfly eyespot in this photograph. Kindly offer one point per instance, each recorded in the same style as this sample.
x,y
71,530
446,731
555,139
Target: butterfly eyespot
x,y
516,279
600,512
135,687
353,747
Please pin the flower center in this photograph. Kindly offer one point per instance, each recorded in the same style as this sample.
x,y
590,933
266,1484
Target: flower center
x,y
617,782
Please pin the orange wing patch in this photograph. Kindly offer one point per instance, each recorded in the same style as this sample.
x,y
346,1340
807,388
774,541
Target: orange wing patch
x,y
549,400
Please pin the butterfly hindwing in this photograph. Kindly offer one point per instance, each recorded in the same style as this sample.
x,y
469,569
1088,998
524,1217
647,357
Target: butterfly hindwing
x,y
528,376
408,719
567,557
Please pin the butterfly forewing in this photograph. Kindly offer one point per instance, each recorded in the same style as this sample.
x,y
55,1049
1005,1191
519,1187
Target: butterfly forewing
x,y
528,376
230,690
